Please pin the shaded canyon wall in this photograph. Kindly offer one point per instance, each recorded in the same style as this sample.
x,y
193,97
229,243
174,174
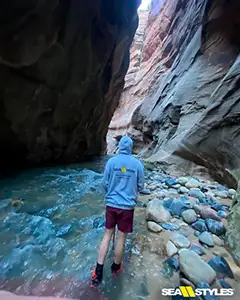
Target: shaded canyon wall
x,y
62,68
190,88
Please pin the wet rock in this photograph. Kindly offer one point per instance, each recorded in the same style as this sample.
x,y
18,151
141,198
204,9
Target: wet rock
x,y
98,222
200,225
221,194
197,249
182,180
154,227
206,238
172,263
221,266
183,190
170,182
215,227
156,212
171,249
195,268
207,295
231,192
217,240
64,230
196,193
180,240
170,226
55,248
206,212
192,183
224,284
178,206
189,216
222,214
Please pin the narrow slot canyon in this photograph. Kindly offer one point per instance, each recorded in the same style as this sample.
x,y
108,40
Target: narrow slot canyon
x,y
76,77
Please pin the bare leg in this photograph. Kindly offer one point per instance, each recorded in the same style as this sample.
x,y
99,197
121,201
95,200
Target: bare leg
x,y
120,247
103,249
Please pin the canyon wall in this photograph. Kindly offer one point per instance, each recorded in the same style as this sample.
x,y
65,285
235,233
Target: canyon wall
x,y
62,69
190,90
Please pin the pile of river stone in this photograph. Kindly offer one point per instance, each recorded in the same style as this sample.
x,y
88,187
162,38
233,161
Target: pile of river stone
x,y
202,205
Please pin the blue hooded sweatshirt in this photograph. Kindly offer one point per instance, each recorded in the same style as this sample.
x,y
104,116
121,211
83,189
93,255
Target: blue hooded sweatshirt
x,y
123,177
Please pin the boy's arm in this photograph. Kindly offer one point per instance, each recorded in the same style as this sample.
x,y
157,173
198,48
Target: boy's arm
x,y
140,177
106,176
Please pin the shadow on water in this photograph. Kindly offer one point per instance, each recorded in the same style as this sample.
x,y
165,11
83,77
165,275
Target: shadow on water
x,y
51,223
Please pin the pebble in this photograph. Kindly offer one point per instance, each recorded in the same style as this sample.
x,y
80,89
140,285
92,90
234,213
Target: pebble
x,y
221,194
180,240
221,266
170,226
200,225
206,238
207,295
192,183
183,190
196,193
195,268
182,180
217,240
156,212
197,249
171,249
215,227
154,227
189,216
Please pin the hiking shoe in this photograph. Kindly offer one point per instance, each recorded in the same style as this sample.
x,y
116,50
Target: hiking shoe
x,y
116,270
96,278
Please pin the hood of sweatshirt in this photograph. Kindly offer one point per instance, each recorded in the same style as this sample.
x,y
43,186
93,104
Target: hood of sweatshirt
x,y
125,145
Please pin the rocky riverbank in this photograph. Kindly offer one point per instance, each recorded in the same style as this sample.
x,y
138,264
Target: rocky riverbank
x,y
186,221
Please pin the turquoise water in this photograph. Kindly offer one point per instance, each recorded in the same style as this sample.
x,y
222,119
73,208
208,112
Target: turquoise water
x,y
50,235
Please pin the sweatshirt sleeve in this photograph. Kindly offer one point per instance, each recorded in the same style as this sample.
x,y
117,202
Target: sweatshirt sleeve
x,y
106,176
140,177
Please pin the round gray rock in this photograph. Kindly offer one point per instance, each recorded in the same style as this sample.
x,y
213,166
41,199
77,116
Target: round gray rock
x,y
180,240
189,216
154,227
171,249
156,212
206,238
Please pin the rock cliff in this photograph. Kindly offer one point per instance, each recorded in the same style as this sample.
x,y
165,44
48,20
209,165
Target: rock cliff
x,y
62,68
189,90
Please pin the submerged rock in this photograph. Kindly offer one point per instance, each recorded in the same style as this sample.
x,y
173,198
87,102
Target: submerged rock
x,y
195,268
206,238
215,227
99,222
180,240
64,230
156,212
221,266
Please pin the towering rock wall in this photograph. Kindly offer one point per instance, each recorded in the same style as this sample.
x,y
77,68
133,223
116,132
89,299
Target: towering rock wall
x,y
191,84
62,68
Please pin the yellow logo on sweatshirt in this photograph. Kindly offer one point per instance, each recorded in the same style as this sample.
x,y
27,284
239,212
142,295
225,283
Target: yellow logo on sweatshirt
x,y
124,170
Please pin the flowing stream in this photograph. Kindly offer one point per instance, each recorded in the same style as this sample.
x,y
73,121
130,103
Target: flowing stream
x,y
51,223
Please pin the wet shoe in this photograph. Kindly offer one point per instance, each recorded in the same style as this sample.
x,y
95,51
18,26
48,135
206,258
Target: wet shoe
x,y
96,278
116,272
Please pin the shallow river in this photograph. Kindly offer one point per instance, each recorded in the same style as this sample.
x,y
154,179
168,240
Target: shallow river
x,y
51,223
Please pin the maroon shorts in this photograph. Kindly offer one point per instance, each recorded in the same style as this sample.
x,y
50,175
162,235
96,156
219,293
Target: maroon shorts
x,y
123,218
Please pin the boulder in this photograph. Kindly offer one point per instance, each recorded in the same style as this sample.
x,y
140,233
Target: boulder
x,y
206,238
156,212
215,227
221,266
180,240
200,225
206,212
195,268
154,227
178,206
189,216
196,193
192,183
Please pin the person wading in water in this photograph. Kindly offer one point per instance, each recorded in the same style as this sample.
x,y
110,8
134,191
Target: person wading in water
x,y
122,180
